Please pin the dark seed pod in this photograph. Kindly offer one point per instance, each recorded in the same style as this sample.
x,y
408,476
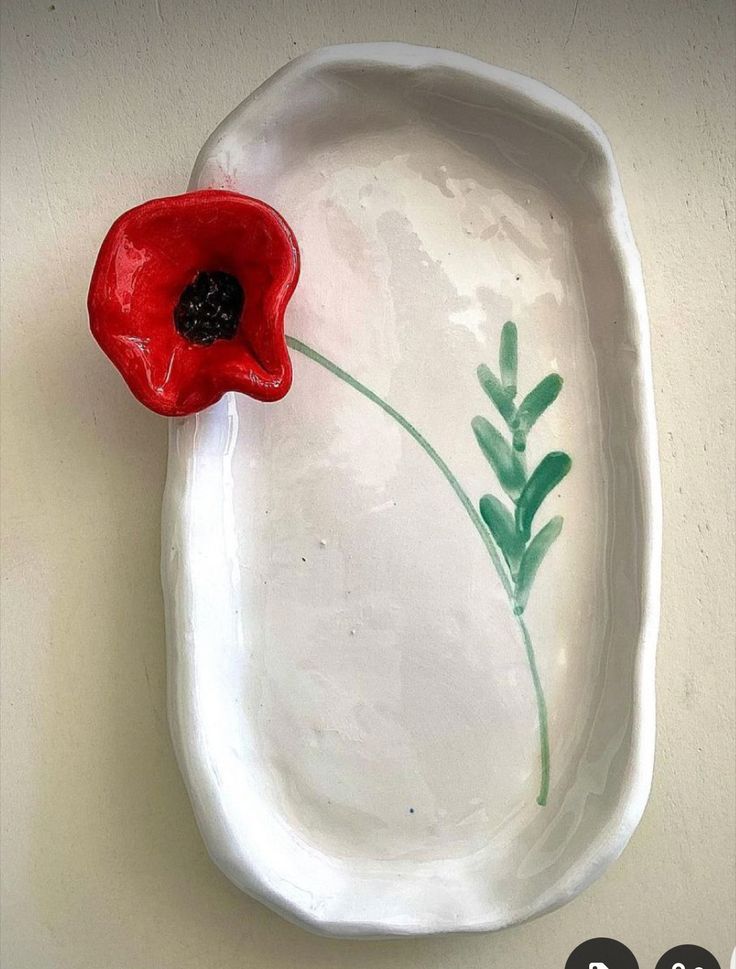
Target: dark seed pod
x,y
209,309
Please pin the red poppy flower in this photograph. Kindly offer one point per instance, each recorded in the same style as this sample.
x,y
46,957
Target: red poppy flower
x,y
188,297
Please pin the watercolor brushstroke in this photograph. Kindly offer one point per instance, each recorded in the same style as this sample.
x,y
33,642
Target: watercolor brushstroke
x,y
505,533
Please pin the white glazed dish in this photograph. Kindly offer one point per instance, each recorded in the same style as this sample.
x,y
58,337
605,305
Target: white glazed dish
x,y
350,697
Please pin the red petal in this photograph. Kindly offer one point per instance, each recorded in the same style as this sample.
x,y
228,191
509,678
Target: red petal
x,y
147,258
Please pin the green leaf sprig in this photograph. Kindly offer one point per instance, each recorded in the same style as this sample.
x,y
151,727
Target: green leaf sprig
x,y
512,528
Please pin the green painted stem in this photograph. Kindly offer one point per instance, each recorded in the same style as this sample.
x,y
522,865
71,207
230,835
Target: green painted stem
x,y
541,714
480,527
423,444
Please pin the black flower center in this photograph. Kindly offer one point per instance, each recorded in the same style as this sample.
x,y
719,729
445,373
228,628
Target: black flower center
x,y
209,308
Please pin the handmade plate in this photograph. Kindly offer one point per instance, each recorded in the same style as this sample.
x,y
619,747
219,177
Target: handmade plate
x,y
412,608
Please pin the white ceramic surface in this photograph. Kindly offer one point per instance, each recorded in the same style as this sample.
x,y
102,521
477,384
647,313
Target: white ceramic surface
x,y
350,697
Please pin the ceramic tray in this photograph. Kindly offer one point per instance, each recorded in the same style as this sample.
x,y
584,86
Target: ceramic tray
x,y
412,608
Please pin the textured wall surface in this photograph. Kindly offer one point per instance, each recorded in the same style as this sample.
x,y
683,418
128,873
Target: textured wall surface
x,y
106,104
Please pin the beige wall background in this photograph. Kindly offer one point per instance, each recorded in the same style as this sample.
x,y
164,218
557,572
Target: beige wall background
x,y
106,104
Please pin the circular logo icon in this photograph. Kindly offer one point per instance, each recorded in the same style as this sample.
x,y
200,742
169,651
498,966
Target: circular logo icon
x,y
688,957
602,954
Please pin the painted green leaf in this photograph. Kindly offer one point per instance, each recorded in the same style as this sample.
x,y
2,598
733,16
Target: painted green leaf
x,y
532,559
500,521
538,400
546,476
508,357
497,392
501,457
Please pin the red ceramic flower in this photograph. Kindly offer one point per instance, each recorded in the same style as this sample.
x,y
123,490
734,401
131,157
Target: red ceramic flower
x,y
188,297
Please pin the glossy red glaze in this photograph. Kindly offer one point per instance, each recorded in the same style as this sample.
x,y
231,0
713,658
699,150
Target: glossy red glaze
x,y
147,258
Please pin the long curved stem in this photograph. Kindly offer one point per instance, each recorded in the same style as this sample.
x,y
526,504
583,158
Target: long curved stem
x,y
480,527
423,444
